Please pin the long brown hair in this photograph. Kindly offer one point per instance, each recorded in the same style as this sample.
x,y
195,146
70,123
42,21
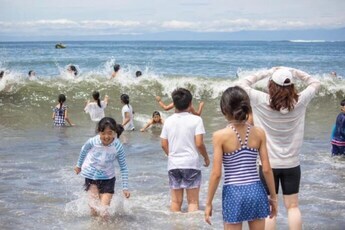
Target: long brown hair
x,y
282,97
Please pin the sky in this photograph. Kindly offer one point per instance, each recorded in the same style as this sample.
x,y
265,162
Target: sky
x,y
170,19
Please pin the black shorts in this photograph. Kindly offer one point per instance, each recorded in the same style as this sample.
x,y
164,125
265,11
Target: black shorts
x,y
288,178
104,186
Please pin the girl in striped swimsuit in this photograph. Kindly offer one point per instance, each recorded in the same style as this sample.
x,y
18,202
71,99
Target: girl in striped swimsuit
x,y
244,197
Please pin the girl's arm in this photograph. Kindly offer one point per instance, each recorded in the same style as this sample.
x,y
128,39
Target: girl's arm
x,y
123,169
147,125
127,119
106,99
165,107
201,106
53,116
215,174
67,119
268,174
83,152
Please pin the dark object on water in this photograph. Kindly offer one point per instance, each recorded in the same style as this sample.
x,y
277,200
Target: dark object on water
x,y
60,46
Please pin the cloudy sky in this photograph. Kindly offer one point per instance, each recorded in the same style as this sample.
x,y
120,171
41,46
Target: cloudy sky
x,y
22,19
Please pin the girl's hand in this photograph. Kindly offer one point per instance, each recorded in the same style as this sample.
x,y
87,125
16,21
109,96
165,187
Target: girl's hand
x,y
158,98
208,214
274,207
77,170
126,193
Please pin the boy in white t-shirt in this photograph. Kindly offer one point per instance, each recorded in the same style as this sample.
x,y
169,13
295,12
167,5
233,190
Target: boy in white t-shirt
x,y
182,141
96,107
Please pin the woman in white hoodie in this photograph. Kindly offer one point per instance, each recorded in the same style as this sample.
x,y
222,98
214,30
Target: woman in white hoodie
x,y
281,113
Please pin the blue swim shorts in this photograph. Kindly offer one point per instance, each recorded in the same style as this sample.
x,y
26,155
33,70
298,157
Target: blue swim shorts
x,y
184,178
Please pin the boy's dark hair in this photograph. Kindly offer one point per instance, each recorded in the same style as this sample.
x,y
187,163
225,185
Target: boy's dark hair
x,y
125,98
108,122
30,72
95,96
138,73
1,73
181,98
156,113
116,67
235,102
342,103
61,99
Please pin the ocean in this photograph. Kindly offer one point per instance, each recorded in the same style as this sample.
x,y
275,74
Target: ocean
x,y
38,187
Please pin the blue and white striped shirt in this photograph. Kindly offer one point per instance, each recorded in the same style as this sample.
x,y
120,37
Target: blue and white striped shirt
x,y
97,161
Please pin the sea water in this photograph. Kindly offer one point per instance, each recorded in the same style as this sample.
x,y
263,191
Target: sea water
x,y
38,187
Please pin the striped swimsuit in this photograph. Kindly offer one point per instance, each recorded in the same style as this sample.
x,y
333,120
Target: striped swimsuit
x,y
244,197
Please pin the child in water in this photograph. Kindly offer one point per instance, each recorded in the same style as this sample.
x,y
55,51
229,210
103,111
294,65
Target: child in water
x,y
237,147
60,112
156,120
182,141
127,113
338,133
96,107
116,71
171,105
97,164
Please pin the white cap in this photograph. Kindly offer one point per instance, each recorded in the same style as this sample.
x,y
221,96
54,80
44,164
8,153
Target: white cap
x,y
280,76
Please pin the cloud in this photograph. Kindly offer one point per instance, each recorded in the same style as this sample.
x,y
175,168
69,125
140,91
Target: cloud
x,y
65,26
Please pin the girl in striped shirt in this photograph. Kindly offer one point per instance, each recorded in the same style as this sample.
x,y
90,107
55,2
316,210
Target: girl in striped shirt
x,y
97,164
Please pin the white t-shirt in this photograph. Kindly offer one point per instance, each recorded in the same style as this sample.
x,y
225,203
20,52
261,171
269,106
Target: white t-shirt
x,y
284,129
180,130
128,109
96,112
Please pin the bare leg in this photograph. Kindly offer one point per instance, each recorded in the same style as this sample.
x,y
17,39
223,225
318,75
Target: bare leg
x,y
294,214
93,195
258,224
270,223
228,226
176,200
193,199
105,203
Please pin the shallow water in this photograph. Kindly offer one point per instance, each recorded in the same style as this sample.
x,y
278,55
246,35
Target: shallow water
x,y
38,188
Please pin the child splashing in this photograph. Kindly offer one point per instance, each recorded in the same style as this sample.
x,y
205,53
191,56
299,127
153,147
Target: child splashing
x,y
156,120
97,164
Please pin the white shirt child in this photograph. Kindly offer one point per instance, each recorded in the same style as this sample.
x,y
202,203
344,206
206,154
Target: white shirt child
x,y
96,112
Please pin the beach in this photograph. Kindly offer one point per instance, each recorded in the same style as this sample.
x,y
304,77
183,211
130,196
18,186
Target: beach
x,y
38,187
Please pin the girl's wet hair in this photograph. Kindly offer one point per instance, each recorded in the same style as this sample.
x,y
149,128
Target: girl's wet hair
x,y
61,99
95,96
125,98
108,122
1,73
235,103
156,113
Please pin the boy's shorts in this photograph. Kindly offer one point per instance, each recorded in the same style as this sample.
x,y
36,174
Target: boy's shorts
x,y
289,179
104,186
184,178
